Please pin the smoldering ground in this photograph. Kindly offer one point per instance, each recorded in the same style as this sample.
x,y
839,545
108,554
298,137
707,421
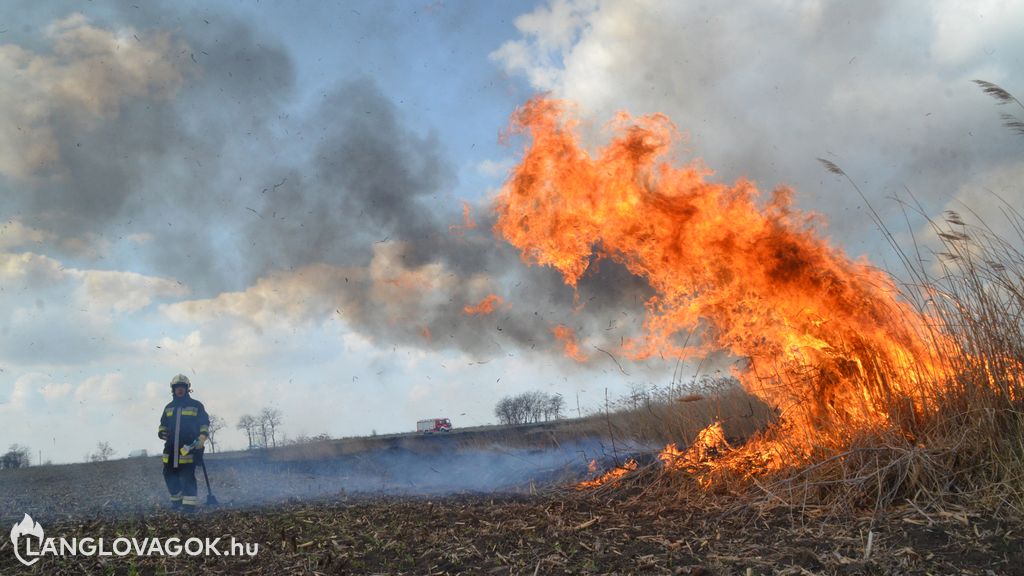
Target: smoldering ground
x,y
370,467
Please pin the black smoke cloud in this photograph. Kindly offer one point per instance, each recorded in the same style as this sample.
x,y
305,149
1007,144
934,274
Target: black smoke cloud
x,y
232,187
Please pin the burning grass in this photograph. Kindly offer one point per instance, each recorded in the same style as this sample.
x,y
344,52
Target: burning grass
x,y
966,450
885,392
645,521
877,427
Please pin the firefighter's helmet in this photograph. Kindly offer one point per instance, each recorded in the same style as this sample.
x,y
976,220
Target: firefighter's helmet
x,y
181,380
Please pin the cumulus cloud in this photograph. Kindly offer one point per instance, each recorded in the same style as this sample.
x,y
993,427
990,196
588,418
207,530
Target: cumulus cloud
x,y
101,388
550,32
15,234
496,168
108,290
54,391
989,197
125,291
29,269
65,417
297,296
23,391
56,315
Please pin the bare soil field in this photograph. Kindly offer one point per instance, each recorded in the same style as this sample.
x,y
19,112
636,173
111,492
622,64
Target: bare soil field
x,y
299,505
555,532
471,461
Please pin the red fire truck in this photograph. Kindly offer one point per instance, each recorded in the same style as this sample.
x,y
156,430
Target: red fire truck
x,y
434,425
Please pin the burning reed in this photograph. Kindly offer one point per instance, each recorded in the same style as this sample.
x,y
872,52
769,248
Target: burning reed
x,y
907,389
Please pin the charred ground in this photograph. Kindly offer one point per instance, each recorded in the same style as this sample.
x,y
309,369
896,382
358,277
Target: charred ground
x,y
294,503
554,532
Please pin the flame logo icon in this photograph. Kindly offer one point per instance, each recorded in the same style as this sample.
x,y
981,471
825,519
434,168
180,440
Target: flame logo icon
x,y
27,527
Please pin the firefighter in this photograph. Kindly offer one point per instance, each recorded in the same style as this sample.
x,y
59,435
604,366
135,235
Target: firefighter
x,y
184,428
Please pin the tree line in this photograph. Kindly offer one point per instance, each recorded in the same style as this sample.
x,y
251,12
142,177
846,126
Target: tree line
x,y
261,429
17,456
528,407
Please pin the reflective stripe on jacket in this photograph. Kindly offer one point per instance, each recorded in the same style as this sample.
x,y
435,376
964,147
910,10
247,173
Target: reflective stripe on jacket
x,y
184,419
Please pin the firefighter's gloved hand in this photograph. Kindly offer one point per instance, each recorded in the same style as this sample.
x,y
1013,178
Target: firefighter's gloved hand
x,y
162,434
200,443
186,449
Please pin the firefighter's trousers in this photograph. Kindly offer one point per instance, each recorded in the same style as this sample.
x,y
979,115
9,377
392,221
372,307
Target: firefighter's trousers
x,y
181,482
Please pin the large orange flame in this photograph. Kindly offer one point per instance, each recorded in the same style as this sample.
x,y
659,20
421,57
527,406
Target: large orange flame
x,y
826,338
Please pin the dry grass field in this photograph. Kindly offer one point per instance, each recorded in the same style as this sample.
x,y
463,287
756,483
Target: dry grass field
x,y
344,507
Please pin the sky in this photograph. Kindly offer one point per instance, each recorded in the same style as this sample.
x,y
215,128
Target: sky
x,y
268,196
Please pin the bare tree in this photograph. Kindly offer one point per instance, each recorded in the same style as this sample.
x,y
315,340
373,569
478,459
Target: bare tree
x,y
270,419
103,452
513,410
216,423
17,456
503,410
553,407
248,423
536,403
261,431
520,409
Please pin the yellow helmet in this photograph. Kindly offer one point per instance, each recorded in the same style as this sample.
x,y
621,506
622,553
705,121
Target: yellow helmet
x,y
181,380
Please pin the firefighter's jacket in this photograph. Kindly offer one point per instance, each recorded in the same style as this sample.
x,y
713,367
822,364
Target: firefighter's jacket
x,y
184,419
